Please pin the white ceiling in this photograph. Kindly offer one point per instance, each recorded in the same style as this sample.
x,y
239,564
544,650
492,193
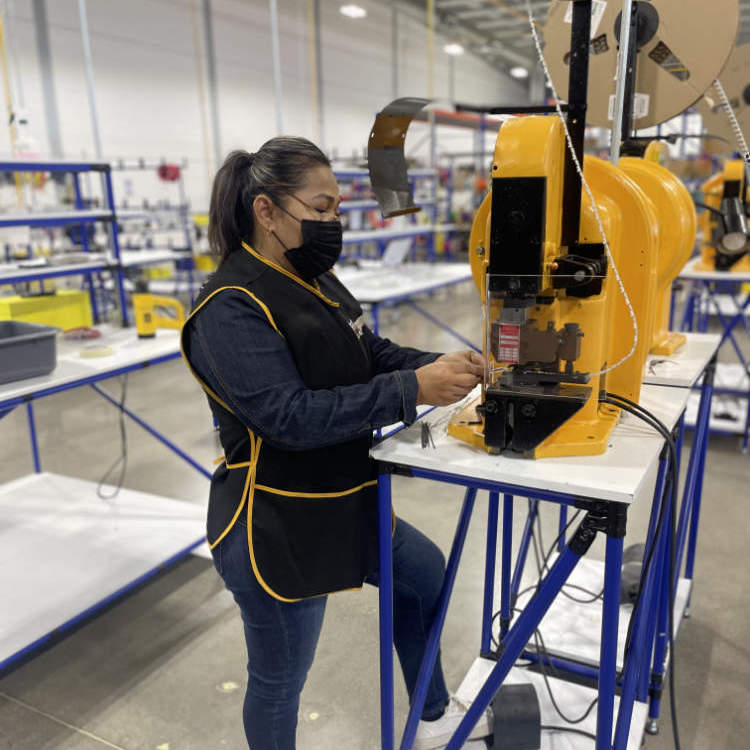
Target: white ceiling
x,y
498,30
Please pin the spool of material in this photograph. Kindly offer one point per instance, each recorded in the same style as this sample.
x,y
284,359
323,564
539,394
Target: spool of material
x,y
683,46
735,78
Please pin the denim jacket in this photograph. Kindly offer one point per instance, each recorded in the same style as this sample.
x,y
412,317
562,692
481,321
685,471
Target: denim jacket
x,y
237,353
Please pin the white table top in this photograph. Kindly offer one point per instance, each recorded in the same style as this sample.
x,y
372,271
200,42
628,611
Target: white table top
x,y
690,272
686,365
356,236
128,350
374,283
624,473
63,549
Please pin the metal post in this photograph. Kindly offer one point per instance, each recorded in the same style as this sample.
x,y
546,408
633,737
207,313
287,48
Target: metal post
x,y
608,651
518,636
433,639
707,394
523,549
88,63
385,599
562,522
621,76
489,572
394,51
51,116
506,613
213,91
114,238
32,436
85,245
276,54
319,76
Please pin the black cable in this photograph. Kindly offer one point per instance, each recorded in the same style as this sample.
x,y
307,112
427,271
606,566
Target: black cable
x,y
123,457
638,410
549,728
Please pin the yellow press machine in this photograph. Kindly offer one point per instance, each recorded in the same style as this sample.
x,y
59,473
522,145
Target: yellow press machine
x,y
557,330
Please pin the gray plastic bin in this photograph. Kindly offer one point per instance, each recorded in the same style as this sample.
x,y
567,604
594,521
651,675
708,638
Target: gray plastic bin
x,y
27,350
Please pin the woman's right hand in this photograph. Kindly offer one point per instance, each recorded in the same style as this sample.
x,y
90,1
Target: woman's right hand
x,y
446,381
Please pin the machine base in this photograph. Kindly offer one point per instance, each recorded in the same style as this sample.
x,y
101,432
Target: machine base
x,y
577,437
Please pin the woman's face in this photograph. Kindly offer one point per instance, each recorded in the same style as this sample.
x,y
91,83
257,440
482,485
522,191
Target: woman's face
x,y
317,200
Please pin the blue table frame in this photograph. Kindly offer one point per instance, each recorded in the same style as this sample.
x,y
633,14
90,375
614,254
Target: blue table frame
x,y
696,317
9,404
646,659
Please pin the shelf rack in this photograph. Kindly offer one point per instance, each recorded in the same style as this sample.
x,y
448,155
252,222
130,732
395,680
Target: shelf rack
x,y
81,216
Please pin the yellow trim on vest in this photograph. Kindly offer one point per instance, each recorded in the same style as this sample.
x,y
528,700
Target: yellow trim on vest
x,y
251,496
262,306
309,287
244,493
322,495
242,465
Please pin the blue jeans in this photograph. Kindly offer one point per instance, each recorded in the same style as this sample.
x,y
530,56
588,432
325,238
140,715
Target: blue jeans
x,y
281,637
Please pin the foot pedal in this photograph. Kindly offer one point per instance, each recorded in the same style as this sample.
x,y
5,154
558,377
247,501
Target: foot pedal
x,y
517,718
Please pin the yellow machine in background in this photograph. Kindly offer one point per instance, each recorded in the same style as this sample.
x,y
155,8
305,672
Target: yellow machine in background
x,y
152,312
724,223
677,221
555,319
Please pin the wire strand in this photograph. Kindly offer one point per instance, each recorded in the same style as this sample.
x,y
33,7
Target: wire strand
x,y
729,110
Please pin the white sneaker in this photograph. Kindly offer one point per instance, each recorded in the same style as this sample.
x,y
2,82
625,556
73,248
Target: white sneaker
x,y
435,734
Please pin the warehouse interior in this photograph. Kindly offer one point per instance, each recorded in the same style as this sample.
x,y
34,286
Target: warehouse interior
x,y
440,122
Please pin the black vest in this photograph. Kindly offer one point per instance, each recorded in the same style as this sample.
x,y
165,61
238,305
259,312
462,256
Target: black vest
x,y
311,515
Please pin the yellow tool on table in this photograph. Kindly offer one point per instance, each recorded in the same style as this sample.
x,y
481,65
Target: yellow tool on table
x,y
152,312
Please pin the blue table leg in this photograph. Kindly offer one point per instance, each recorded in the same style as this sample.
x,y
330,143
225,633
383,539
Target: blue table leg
x,y
489,572
694,478
527,622
433,639
523,549
703,434
662,629
561,524
153,431
385,597
375,320
608,649
506,614
32,436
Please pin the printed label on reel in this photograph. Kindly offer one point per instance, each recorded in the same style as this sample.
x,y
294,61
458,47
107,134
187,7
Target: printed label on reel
x,y
597,12
641,104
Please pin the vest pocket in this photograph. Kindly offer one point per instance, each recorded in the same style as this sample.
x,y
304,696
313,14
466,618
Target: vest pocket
x,y
311,544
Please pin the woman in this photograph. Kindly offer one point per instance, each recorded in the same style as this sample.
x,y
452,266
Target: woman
x,y
297,384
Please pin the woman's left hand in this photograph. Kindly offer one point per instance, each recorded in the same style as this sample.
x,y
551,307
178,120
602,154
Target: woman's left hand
x,y
472,361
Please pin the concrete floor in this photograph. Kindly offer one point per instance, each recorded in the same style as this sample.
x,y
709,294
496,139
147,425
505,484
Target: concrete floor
x,y
164,668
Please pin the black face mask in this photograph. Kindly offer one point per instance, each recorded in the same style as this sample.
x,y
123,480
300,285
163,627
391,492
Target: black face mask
x,y
320,249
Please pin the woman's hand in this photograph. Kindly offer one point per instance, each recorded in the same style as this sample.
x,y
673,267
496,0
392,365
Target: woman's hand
x,y
449,378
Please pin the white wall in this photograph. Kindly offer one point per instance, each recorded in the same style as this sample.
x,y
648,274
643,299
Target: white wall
x,y
147,80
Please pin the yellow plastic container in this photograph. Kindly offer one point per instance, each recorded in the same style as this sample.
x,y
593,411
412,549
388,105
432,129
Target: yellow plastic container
x,y
65,309
205,262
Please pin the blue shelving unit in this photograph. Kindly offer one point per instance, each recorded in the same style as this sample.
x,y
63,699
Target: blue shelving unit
x,y
81,217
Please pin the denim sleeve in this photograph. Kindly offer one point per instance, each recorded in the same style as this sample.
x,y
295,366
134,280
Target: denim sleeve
x,y
388,356
238,354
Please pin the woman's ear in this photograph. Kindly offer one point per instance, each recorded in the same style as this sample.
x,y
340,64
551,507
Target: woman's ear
x,y
264,212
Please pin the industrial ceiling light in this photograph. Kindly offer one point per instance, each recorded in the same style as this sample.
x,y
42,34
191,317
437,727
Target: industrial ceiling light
x,y
453,49
353,11
519,72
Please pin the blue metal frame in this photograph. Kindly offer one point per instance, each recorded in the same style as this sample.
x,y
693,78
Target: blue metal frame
x,y
697,315
489,569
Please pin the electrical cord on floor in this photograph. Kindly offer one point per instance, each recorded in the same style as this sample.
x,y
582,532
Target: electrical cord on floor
x,y
122,459
638,411
582,732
